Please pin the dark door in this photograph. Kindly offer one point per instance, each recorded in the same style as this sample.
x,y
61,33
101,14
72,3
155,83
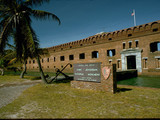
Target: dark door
x,y
131,62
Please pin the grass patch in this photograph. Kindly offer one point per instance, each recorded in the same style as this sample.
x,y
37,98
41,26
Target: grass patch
x,y
10,79
62,101
32,73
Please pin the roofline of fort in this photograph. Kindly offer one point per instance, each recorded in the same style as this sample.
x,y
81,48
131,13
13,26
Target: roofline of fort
x,y
114,34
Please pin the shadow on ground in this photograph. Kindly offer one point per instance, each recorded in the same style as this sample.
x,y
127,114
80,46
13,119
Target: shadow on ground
x,y
62,80
123,90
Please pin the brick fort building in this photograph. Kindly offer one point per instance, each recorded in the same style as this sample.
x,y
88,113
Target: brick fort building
x,y
132,48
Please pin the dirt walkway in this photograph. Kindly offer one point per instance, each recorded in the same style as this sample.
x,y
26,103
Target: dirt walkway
x,y
9,92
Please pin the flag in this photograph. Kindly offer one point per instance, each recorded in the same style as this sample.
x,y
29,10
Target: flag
x,y
132,14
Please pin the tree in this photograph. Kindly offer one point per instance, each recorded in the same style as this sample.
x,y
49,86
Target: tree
x,y
24,57
15,22
2,66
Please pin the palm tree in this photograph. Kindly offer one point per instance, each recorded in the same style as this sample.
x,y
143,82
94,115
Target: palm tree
x,y
2,66
15,22
24,57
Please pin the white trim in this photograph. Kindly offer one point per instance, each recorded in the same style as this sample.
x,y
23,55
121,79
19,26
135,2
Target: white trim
x,y
157,56
145,68
145,58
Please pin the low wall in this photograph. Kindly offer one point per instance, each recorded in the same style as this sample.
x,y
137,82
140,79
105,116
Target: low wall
x,y
122,75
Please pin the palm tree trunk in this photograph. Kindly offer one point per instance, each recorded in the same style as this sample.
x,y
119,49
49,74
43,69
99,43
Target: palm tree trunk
x,y
2,71
41,71
24,70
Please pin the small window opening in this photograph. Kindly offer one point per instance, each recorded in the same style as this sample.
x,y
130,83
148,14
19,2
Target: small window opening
x,y
155,30
158,62
94,42
81,45
145,63
82,56
29,62
70,46
61,58
110,62
124,45
118,63
137,45
71,57
129,35
109,38
54,59
95,54
33,61
47,59
130,44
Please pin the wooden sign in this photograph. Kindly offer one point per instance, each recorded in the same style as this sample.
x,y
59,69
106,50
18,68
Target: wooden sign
x,y
90,72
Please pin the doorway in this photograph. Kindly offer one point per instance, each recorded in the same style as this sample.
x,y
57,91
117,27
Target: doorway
x,y
131,59
131,62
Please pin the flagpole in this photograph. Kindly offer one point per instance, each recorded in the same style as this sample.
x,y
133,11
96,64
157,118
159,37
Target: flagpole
x,y
134,17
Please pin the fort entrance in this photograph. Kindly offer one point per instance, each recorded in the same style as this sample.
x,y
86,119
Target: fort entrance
x,y
131,62
131,59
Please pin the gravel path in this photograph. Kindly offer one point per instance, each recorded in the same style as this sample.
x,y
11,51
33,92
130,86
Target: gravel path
x,y
9,93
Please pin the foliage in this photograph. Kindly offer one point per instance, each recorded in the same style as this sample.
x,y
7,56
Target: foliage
x,y
15,22
1,63
8,79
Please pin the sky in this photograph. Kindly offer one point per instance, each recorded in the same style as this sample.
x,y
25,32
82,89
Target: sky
x,y
83,18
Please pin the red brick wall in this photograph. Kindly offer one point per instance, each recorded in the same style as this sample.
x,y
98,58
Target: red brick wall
x,y
101,43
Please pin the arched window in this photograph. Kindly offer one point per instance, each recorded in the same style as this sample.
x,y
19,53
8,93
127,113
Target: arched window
x,y
111,52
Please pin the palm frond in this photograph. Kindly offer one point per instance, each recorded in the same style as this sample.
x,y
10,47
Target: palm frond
x,y
8,3
5,33
35,2
10,46
11,61
43,15
31,41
